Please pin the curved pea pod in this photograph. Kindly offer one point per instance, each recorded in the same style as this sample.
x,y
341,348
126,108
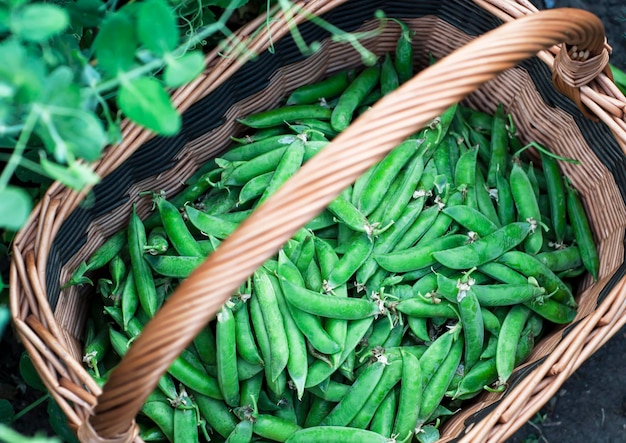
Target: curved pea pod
x,y
484,249
561,259
274,428
342,434
175,266
157,241
289,114
480,376
161,413
531,267
146,288
254,188
556,195
404,53
100,258
505,203
382,422
582,232
419,257
225,335
177,231
473,326
356,254
410,398
553,311
185,421
265,293
388,76
210,224
326,89
242,433
328,306
249,151
391,376
527,207
465,176
289,163
502,273
508,339
471,219
246,345
419,307
384,174
130,300
352,97
395,203
499,146
345,411
436,388
348,214
356,331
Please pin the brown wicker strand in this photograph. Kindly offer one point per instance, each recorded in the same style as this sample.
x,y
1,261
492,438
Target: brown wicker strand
x,y
319,181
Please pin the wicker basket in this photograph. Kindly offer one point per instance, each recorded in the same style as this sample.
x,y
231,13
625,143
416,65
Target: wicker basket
x,y
513,64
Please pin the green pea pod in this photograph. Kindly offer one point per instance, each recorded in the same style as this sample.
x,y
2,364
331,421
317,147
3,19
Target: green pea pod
x,y
582,232
352,97
473,326
326,89
561,259
249,151
130,299
157,241
480,376
389,80
242,433
96,349
357,253
289,114
484,199
273,319
162,414
383,420
342,434
530,266
484,249
254,188
391,376
404,53
246,345
210,224
225,335
319,370
471,219
328,306
274,428
436,388
419,257
173,265
386,171
508,339
185,423
410,398
289,163
417,307
146,288
346,410
297,361
436,354
242,172
506,205
499,146
206,347
216,413
527,207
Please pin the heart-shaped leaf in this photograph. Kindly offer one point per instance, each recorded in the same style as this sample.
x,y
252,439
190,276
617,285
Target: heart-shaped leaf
x,y
182,70
144,101
38,22
15,207
156,27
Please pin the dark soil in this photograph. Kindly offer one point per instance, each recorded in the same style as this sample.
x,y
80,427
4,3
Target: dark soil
x,y
589,408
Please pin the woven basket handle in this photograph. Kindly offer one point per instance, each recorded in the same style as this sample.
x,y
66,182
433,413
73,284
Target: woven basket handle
x,y
395,117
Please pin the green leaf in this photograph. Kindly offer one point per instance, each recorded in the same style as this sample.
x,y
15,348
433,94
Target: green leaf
x,y
38,22
144,101
29,374
156,27
6,411
71,130
5,315
76,175
182,70
15,207
23,79
116,44
86,13
58,422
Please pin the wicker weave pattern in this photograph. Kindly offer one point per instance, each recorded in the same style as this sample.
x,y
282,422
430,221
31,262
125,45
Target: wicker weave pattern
x,y
50,338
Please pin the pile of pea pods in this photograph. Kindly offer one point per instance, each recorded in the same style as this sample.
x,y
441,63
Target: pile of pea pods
x,y
423,284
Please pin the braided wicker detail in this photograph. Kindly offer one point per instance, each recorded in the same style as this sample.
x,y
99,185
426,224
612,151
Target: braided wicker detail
x,y
396,116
